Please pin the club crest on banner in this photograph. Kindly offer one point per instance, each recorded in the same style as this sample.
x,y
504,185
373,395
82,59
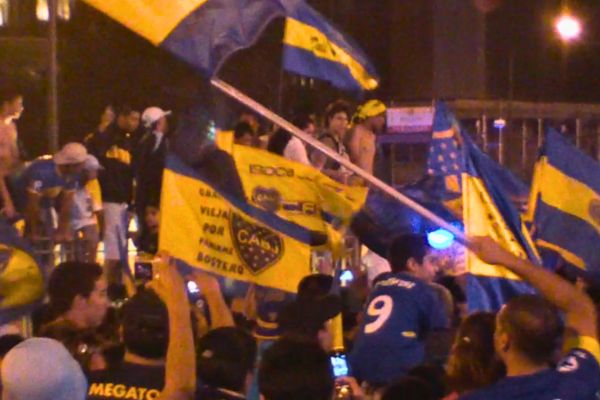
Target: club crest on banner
x,y
267,198
258,247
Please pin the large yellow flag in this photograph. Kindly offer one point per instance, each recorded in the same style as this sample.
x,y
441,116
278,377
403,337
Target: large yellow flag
x,y
227,236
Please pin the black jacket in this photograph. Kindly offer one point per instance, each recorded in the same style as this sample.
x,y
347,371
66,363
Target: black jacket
x,y
113,149
149,166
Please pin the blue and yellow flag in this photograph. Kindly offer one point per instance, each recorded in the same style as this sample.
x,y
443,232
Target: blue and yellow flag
x,y
227,236
202,32
488,211
22,283
565,203
313,47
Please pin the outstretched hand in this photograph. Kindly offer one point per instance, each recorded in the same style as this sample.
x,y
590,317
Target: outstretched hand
x,y
167,282
490,251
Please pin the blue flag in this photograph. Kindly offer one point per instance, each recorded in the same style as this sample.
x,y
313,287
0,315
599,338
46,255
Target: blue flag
x,y
314,47
22,283
489,211
565,204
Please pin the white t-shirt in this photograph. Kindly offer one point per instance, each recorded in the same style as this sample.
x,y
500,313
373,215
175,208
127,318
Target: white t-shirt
x,y
295,151
83,209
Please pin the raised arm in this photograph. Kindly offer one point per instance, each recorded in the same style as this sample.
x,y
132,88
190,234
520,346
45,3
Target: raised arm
x,y
579,310
180,371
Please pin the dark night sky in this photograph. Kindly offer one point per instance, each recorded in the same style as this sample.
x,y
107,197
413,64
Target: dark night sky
x,y
102,62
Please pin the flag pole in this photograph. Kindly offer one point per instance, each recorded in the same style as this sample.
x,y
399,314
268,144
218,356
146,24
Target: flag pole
x,y
374,182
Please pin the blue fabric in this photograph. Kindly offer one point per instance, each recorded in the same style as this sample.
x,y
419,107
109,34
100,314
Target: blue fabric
x,y
577,377
389,344
218,28
490,294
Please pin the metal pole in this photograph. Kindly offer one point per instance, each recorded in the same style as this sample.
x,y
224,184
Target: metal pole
x,y
484,132
524,140
52,78
375,182
501,145
578,133
540,133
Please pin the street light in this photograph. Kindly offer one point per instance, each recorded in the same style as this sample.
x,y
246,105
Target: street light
x,y
568,27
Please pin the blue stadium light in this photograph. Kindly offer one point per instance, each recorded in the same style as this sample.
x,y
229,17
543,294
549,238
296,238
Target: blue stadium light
x,y
440,239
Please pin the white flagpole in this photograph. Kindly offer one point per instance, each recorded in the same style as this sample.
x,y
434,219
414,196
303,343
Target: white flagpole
x,y
375,182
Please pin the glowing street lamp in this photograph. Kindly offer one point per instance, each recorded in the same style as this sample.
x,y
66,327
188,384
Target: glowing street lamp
x,y
568,27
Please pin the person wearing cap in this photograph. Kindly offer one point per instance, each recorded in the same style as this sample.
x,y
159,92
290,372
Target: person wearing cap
x,y
149,162
369,121
401,312
114,150
45,181
87,207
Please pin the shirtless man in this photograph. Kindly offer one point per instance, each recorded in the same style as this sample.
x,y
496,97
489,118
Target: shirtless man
x,y
11,107
369,121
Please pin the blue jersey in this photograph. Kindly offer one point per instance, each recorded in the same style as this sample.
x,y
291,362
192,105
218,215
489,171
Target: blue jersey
x,y
400,311
42,177
576,377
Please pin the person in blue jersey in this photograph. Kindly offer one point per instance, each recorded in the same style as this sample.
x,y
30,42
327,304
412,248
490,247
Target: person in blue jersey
x,y
528,330
401,311
49,182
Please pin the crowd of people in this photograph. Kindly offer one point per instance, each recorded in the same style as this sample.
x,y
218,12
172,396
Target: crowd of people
x,y
406,334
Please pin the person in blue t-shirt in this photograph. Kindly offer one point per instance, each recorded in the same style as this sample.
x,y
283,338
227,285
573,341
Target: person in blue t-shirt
x,y
401,311
528,329
47,180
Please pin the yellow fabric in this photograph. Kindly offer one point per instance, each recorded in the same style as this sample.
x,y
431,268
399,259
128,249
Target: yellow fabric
x,y
586,343
224,141
204,230
371,108
309,38
119,154
567,194
299,193
152,19
21,281
444,134
337,333
93,188
482,218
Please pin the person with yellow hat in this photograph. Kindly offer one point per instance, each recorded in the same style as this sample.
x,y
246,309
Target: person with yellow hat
x,y
369,121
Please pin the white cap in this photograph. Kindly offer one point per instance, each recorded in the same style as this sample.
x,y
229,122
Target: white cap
x,y
153,114
42,369
91,163
71,153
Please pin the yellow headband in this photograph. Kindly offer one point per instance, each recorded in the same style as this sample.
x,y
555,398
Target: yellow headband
x,y
371,108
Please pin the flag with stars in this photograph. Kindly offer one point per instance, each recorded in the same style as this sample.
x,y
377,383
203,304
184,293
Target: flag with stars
x,y
445,158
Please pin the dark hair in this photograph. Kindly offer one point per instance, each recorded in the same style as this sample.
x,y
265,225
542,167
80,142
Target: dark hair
x,y
146,325
278,141
408,388
303,120
70,279
295,370
337,106
7,342
9,92
404,247
472,363
533,325
225,357
126,109
241,129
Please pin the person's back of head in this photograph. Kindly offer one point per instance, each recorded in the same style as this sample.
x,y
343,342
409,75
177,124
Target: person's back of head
x,y
408,388
7,342
278,141
242,129
434,375
146,325
407,247
69,280
472,363
225,358
529,326
295,370
42,369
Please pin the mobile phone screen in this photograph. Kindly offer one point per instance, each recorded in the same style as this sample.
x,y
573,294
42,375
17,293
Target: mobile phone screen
x,y
340,365
143,271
